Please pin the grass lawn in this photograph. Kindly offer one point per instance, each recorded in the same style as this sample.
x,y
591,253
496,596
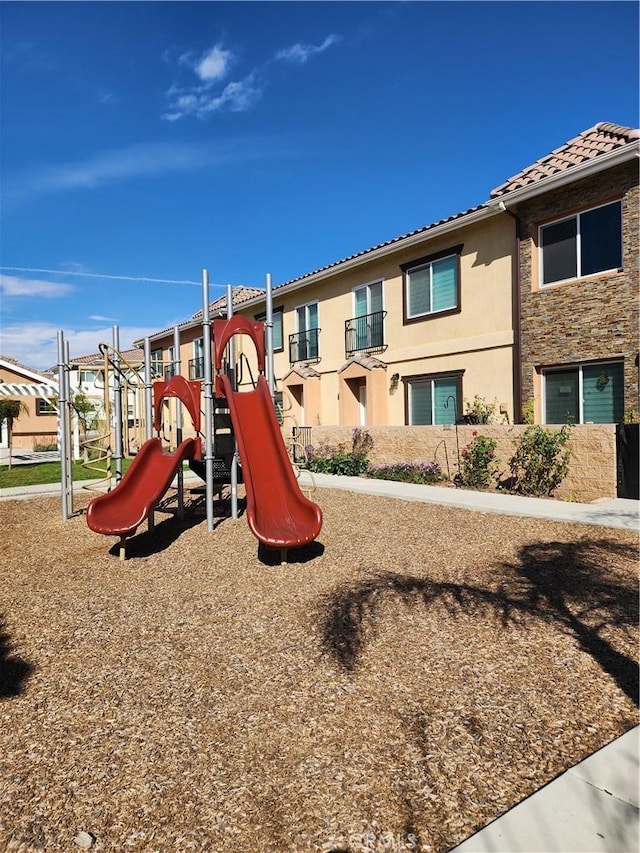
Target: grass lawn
x,y
39,473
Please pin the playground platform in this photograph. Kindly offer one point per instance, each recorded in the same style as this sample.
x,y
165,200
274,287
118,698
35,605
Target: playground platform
x,y
594,806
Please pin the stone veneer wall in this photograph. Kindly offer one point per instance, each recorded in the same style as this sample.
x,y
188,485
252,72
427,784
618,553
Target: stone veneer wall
x,y
592,470
591,318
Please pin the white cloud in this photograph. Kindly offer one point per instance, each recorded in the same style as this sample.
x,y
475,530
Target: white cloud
x,y
106,167
11,285
84,274
204,97
301,53
214,65
36,344
100,319
237,96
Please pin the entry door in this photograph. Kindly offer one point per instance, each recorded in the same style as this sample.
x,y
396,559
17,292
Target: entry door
x,y
362,397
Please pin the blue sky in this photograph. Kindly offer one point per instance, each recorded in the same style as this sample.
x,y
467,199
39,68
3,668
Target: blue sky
x,y
143,142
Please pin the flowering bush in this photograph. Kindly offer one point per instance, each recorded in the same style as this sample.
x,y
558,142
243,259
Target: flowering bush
x,y
408,472
339,459
478,464
541,461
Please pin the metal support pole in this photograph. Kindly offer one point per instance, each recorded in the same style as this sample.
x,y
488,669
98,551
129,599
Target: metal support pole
x,y
148,390
177,365
65,485
117,404
232,378
148,408
208,398
271,379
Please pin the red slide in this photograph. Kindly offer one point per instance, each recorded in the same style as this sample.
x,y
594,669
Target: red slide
x,y
121,511
278,513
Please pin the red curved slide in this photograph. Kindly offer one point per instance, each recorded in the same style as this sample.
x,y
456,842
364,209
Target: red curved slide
x,y
278,513
120,511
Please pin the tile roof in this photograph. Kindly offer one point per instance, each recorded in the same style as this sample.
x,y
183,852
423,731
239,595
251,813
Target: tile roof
x,y
370,362
594,142
135,354
423,230
239,295
20,366
304,371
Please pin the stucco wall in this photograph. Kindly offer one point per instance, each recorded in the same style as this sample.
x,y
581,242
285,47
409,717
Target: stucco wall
x,y
592,470
30,428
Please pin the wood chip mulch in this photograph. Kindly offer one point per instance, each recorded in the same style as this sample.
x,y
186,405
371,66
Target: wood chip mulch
x,y
394,687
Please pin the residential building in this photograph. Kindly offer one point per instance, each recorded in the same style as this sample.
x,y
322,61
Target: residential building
x,y
576,211
37,424
530,297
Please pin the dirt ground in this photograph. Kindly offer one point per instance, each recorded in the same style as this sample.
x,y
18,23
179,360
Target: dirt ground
x,y
394,687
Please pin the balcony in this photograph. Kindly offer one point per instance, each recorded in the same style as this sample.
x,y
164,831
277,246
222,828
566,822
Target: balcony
x,y
169,372
364,333
196,368
303,346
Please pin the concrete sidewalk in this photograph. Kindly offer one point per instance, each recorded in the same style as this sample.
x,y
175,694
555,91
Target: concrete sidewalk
x,y
614,512
592,808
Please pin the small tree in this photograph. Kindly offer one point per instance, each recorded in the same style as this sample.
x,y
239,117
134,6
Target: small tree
x,y
86,411
10,410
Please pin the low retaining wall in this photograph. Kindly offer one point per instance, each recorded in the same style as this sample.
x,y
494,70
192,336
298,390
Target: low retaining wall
x,y
592,469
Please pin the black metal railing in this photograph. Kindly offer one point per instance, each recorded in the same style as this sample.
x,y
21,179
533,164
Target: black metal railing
x,y
303,346
196,368
169,372
301,439
364,333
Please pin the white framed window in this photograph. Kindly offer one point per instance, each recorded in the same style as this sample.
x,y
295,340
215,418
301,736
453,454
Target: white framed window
x,y
433,399
91,378
584,393
366,330
156,363
196,366
432,285
583,244
303,346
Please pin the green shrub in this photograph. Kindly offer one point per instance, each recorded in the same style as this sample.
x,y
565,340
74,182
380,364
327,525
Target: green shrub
x,y
338,459
478,411
424,473
478,464
541,461
44,447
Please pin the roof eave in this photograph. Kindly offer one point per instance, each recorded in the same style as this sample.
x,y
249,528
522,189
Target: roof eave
x,y
568,176
387,249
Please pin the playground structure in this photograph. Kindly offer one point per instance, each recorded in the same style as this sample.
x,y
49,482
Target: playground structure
x,y
278,514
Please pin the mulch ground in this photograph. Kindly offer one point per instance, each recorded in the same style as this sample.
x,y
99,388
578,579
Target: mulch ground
x,y
394,687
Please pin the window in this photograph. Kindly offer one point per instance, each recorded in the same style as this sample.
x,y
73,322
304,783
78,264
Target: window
x,y
196,365
92,378
589,393
46,407
580,245
365,331
156,363
303,346
433,400
278,341
432,285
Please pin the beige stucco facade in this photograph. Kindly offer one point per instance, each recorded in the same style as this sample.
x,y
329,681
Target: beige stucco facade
x,y
369,387
32,428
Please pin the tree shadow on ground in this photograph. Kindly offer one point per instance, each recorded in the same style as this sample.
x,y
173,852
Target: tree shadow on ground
x,y
566,585
14,671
